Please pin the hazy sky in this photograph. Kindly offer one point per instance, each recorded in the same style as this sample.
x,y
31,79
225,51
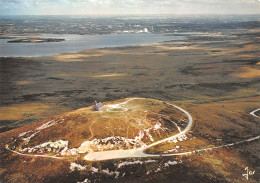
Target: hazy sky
x,y
85,7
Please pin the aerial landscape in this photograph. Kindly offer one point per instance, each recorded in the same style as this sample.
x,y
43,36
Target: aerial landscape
x,y
160,94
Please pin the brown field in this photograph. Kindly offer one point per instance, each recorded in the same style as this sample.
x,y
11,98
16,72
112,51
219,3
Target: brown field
x,y
216,81
212,127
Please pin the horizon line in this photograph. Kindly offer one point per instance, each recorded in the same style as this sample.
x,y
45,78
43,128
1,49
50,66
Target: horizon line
x,y
161,14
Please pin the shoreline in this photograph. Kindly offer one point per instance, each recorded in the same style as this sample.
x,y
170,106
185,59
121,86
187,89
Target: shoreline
x,y
179,70
114,40
84,50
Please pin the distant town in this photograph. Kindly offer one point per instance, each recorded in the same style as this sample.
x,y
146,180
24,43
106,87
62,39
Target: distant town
x,y
119,25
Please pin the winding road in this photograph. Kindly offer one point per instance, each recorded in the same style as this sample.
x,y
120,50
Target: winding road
x,y
140,152
253,113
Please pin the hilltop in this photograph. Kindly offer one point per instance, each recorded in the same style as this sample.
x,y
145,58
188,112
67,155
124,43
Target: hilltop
x,y
125,125
134,135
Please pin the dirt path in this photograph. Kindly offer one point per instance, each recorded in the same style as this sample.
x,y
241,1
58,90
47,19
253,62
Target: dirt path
x,y
139,152
253,113
188,127
33,155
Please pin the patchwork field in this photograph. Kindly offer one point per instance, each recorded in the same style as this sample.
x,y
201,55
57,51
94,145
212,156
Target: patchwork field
x,y
177,111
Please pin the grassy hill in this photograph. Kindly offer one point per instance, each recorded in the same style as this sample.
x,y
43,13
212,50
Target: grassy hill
x,y
53,150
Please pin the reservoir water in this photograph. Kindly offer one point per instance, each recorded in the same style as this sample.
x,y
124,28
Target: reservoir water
x,y
74,43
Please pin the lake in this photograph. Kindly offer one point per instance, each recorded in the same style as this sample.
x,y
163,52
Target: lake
x,y
77,43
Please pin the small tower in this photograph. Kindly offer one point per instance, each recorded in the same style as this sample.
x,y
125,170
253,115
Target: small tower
x,y
97,106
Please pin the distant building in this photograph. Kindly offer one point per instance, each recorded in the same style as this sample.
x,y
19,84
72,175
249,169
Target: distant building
x,y
97,106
